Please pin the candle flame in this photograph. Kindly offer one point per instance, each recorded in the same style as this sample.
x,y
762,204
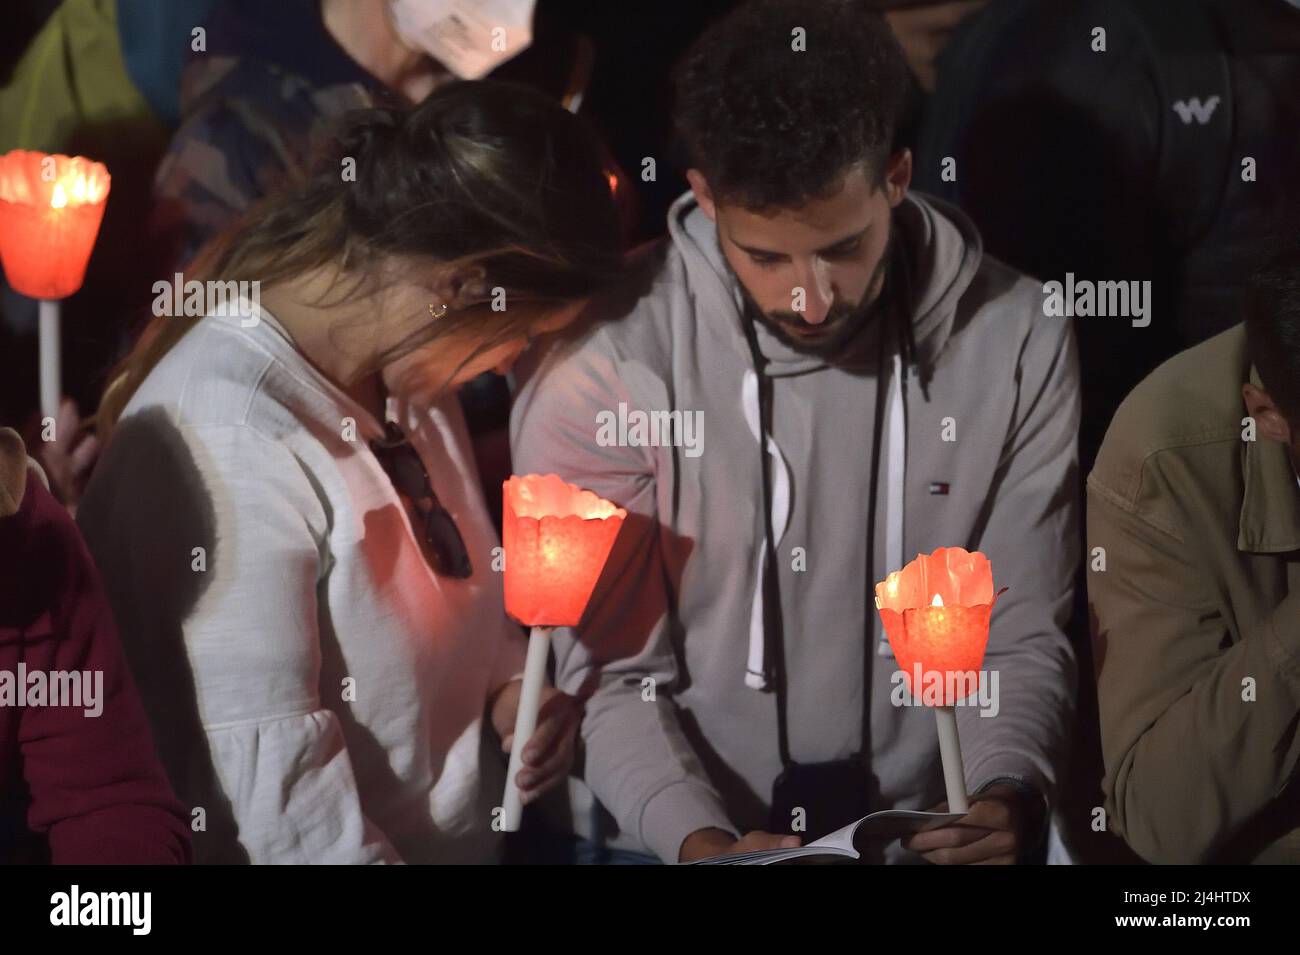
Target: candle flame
x,y
937,601
76,188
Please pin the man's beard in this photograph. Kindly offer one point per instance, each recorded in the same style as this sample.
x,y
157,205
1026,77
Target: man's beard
x,y
843,324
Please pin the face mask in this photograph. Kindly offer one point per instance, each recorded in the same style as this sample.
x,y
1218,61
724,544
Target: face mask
x,y
469,37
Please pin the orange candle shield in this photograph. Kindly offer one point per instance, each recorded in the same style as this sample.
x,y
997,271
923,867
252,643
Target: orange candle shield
x,y
50,211
557,538
935,612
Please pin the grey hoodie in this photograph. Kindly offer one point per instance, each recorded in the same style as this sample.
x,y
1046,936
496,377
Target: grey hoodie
x,y
679,732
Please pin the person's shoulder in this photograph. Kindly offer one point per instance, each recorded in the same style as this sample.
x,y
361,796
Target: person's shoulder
x,y
207,378
996,281
630,320
1004,305
230,84
637,308
1188,408
221,401
251,130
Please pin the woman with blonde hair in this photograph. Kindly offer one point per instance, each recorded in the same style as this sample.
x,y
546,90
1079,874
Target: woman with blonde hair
x,y
287,514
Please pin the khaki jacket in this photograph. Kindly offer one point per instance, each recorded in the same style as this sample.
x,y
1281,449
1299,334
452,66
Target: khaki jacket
x,y
1196,618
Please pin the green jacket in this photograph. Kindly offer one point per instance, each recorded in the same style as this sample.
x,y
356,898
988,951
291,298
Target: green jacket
x,y
1196,618
71,80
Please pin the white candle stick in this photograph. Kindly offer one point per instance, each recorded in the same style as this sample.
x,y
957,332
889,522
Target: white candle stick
x,y
954,774
50,375
530,698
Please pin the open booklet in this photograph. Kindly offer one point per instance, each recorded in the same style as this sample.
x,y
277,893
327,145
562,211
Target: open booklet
x,y
886,825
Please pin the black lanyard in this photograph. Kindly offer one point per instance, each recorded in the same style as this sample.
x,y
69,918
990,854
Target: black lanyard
x,y
773,622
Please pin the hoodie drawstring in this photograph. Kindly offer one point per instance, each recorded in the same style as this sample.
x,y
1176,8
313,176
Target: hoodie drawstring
x,y
896,467
759,668
757,676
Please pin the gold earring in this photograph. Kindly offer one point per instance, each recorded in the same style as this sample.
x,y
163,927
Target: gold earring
x,y
439,312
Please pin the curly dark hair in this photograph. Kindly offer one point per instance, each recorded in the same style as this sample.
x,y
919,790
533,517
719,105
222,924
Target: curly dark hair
x,y
771,126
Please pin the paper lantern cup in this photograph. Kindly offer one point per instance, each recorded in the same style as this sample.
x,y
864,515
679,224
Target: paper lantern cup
x,y
50,211
944,640
557,538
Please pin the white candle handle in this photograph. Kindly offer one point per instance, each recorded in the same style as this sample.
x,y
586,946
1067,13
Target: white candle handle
x,y
954,774
530,698
51,386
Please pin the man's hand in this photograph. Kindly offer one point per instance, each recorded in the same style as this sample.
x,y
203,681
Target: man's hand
x,y
715,842
1001,822
548,756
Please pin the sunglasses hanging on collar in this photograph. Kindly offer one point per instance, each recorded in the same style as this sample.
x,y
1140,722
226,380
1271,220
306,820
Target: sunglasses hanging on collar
x,y
401,462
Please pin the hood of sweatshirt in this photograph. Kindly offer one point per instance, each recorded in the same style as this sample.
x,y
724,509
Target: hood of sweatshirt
x,y
944,251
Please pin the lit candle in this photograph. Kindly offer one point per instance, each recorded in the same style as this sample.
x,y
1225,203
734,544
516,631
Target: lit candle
x,y
940,640
51,208
557,538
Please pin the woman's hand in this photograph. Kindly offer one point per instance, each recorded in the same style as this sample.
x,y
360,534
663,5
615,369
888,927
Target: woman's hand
x,y
69,458
548,756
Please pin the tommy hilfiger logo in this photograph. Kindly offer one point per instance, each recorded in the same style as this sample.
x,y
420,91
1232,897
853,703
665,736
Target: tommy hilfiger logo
x,y
940,487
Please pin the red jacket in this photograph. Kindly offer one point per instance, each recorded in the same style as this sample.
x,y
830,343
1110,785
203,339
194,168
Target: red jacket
x,y
97,791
